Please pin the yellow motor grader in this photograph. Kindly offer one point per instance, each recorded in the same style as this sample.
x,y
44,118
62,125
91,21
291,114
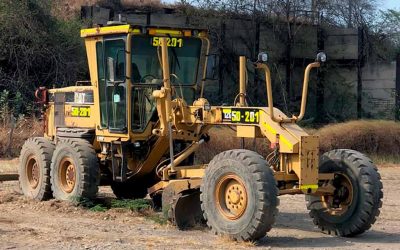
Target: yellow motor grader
x,y
137,124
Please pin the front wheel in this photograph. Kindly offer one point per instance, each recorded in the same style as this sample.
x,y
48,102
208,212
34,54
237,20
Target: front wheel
x,y
354,205
239,195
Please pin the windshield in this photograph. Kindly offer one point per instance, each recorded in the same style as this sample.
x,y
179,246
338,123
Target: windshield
x,y
184,57
184,54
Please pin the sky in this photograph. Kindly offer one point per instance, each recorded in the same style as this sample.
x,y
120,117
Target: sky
x,y
384,4
390,4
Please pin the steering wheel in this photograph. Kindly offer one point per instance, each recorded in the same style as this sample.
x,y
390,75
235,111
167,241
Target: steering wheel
x,y
142,80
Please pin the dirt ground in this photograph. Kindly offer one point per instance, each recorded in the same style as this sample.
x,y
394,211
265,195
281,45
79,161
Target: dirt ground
x,y
27,224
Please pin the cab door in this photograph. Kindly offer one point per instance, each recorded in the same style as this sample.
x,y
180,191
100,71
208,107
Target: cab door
x,y
113,85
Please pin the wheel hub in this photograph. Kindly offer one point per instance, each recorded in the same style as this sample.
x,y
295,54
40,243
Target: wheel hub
x,y
340,201
231,197
71,175
33,172
67,175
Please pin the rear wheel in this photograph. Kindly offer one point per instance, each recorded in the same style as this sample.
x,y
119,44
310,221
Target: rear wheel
x,y
34,168
239,195
354,205
74,170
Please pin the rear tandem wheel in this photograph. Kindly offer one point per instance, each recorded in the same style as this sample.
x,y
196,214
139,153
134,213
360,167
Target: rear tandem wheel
x,y
74,170
34,168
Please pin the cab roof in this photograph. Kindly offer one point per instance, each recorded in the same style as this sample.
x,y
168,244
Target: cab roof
x,y
150,30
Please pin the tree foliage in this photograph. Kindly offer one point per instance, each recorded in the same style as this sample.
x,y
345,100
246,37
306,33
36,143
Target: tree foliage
x,y
349,13
41,47
388,25
37,49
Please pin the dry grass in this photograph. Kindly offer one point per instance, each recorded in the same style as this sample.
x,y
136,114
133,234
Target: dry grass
x,y
24,129
222,139
378,139
9,166
226,240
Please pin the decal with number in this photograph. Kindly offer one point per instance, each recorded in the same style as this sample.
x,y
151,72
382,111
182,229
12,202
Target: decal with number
x,y
241,115
80,111
171,42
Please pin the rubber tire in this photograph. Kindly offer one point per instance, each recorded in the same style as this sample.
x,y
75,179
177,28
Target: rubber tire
x,y
84,158
43,150
129,190
260,183
367,198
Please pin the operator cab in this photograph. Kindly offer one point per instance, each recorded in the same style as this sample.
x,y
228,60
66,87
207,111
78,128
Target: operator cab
x,y
129,70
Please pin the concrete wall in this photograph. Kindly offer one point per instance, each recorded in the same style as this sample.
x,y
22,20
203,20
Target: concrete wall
x,y
379,90
341,44
234,37
340,92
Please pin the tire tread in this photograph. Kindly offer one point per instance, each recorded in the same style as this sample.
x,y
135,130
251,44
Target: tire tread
x,y
367,211
267,188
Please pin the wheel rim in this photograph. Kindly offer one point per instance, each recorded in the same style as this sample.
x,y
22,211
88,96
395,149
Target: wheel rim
x,y
67,175
340,202
33,172
231,197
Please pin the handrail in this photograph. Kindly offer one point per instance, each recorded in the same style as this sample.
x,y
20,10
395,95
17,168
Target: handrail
x,y
305,90
242,81
304,93
269,94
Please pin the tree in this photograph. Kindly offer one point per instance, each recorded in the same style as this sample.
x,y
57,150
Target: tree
x,y
37,49
389,25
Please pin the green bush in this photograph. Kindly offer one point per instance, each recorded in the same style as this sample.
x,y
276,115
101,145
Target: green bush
x,y
138,205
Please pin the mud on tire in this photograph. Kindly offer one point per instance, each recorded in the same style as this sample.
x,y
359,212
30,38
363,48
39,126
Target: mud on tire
x,y
74,170
250,174
34,168
366,200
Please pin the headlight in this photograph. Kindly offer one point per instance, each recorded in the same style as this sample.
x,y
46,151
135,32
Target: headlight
x,y
321,57
263,57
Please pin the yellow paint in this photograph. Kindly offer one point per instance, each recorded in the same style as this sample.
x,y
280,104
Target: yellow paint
x,y
305,188
136,31
281,138
165,32
269,128
246,131
119,29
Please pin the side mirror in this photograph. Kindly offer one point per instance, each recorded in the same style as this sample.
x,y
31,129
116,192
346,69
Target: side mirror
x,y
111,69
321,57
262,57
212,67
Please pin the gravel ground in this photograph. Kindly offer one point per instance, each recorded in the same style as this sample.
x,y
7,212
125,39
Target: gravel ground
x,y
27,224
